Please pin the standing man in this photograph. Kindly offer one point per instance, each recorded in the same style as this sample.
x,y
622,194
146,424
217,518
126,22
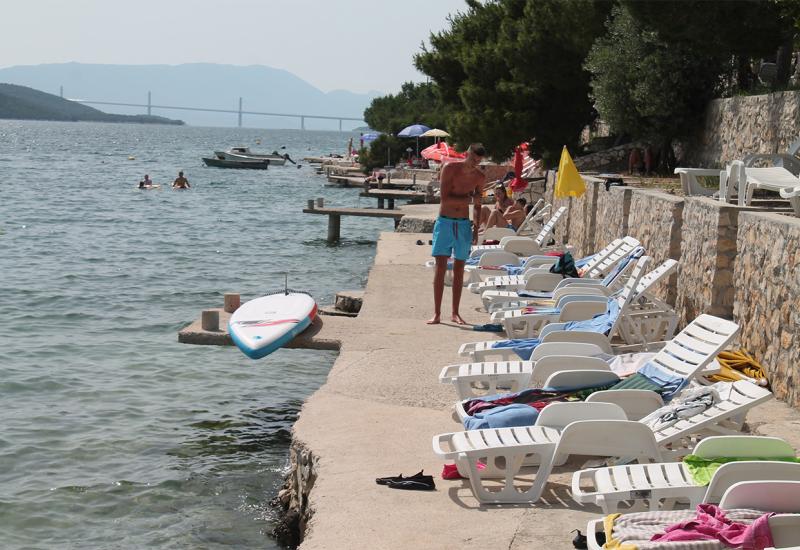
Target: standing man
x,y
461,182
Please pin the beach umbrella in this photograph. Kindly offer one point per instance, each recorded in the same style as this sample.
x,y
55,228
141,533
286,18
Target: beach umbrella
x,y
569,182
436,132
371,136
415,130
518,183
441,152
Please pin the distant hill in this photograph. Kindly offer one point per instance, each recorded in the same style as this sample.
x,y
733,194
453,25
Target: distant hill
x,y
198,85
21,102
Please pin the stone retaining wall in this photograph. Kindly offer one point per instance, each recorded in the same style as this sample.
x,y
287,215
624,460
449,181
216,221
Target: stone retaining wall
x,y
656,219
740,125
734,263
767,296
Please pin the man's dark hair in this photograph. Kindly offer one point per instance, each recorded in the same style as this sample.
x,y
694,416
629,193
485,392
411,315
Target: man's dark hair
x,y
522,200
477,149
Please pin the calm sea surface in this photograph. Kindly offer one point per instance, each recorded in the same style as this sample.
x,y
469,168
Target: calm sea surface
x,y
113,435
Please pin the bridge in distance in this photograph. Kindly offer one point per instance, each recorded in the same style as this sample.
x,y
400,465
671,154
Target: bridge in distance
x,y
240,112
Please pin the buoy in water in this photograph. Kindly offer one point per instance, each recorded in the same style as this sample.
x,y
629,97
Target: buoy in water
x,y
131,157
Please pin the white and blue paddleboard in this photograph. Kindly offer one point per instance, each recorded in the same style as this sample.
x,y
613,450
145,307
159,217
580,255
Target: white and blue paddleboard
x,y
263,325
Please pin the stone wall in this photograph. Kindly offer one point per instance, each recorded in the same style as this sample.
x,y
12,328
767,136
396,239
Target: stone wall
x,y
734,263
740,125
656,219
767,296
707,253
613,210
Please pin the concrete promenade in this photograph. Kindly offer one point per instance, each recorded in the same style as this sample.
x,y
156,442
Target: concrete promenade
x,y
381,406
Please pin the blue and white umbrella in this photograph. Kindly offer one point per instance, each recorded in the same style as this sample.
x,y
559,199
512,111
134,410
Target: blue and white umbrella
x,y
371,136
415,130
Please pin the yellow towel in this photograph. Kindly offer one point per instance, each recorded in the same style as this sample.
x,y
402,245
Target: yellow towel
x,y
739,365
612,543
569,182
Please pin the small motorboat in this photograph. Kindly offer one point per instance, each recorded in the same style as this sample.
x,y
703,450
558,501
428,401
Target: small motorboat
x,y
255,164
244,153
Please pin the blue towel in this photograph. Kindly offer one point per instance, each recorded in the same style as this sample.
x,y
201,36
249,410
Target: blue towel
x,y
507,416
600,323
670,384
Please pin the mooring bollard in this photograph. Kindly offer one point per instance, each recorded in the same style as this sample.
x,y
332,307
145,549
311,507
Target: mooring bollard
x,y
232,301
320,202
209,320
311,204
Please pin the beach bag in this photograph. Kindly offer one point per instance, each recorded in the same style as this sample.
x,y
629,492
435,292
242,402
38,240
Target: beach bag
x,y
565,266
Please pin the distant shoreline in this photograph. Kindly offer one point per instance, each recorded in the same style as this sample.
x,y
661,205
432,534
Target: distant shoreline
x,y
23,103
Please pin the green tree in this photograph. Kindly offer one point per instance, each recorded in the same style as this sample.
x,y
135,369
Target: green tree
x,y
512,70
385,149
415,103
735,30
647,88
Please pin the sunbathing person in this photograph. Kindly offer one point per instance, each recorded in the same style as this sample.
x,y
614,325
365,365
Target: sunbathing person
x,y
502,202
515,214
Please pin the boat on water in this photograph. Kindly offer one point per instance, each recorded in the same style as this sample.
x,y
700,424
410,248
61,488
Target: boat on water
x,y
244,153
255,164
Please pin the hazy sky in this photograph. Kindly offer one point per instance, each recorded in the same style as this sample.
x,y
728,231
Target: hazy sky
x,y
358,45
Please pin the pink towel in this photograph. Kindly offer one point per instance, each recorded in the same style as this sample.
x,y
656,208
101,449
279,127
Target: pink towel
x,y
710,523
450,471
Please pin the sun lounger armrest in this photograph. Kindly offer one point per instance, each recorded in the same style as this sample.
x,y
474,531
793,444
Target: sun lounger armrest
x,y
439,450
556,335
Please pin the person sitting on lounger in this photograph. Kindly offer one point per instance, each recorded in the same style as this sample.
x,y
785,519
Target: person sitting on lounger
x,y
515,214
502,202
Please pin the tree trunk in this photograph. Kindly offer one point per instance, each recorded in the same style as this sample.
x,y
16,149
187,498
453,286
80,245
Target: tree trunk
x,y
666,157
744,75
784,63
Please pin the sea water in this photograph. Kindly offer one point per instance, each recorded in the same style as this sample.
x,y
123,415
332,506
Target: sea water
x,y
114,435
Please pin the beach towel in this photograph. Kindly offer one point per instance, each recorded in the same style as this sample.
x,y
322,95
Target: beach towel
x,y
702,469
638,530
601,323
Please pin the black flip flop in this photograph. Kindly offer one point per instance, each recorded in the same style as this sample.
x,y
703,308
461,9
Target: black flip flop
x,y
414,484
387,480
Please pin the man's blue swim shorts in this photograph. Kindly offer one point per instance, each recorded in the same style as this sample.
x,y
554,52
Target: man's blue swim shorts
x,y
452,236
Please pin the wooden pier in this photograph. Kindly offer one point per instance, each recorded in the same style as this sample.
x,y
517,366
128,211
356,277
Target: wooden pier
x,y
335,217
391,195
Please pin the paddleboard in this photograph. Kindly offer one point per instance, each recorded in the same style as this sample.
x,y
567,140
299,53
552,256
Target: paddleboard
x,y
263,325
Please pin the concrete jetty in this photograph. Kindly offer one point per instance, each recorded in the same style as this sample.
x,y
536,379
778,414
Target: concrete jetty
x,y
376,416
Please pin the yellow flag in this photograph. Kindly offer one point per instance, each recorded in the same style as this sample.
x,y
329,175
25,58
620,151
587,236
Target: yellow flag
x,y
569,182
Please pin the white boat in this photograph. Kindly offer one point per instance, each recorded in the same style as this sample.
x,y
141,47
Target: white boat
x,y
244,153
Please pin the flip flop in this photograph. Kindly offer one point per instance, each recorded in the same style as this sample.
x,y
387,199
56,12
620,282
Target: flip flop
x,y
414,484
389,479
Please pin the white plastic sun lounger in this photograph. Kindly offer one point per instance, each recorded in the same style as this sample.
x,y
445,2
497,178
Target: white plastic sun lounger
x,y
779,496
593,428
480,351
570,286
690,352
523,246
661,484
541,280
521,323
776,179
